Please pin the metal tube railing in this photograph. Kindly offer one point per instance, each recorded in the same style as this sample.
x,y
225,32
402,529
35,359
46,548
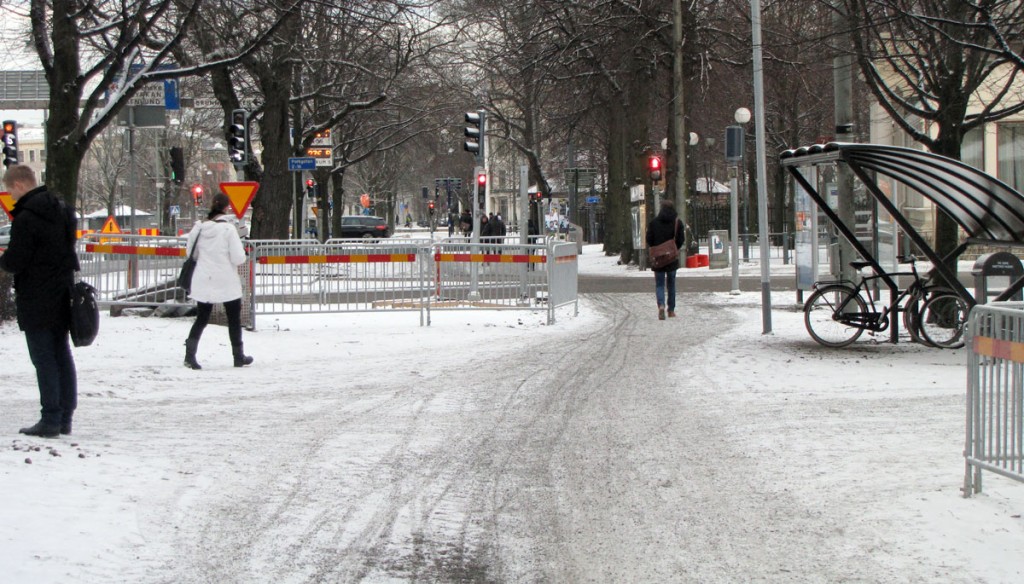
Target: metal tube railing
x,y
995,394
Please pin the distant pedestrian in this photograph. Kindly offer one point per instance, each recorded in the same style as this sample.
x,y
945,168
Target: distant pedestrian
x,y
499,230
466,222
662,228
486,231
41,255
218,253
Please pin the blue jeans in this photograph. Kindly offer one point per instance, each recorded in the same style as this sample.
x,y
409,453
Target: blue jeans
x,y
50,352
660,279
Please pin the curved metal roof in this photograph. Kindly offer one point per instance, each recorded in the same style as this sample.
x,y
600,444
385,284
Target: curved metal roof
x,y
982,205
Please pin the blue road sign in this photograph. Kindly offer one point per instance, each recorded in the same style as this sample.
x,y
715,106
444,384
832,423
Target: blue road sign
x,y
593,200
300,163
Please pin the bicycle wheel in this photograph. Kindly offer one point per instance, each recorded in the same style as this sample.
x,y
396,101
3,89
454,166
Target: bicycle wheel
x,y
820,313
942,320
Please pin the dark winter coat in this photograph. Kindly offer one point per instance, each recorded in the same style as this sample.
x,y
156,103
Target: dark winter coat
x,y
487,228
41,255
660,229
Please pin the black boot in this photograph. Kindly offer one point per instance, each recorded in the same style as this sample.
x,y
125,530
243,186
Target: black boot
x,y
190,353
241,359
41,430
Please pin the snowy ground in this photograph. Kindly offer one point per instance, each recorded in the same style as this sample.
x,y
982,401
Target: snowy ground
x,y
610,447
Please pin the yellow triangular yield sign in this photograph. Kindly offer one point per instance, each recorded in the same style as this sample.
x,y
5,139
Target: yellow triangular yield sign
x,y
240,194
7,202
316,211
111,226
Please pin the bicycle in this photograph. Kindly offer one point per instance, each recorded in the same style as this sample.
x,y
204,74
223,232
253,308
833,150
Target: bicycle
x,y
836,314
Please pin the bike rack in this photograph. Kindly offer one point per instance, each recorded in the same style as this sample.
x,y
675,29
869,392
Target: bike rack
x,y
987,209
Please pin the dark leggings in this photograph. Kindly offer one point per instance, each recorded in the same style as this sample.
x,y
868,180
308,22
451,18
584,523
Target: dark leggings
x,y
233,308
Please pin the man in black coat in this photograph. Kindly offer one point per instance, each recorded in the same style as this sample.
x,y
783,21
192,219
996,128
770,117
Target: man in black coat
x,y
665,227
41,255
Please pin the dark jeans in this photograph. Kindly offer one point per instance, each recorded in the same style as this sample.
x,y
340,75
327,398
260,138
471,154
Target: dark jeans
x,y
50,351
233,309
664,280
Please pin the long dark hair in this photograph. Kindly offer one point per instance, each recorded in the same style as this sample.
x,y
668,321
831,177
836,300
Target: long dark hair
x,y
219,205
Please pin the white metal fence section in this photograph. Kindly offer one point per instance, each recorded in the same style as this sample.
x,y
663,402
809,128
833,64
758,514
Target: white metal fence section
x,y
995,406
470,276
563,265
338,276
306,276
132,270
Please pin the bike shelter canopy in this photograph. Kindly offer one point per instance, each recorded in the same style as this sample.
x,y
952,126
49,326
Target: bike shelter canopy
x,y
988,210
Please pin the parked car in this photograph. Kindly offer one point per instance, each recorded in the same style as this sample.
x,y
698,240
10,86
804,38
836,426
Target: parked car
x,y
5,235
364,226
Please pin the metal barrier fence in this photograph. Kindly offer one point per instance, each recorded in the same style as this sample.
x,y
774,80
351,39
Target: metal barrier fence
x,y
307,276
563,265
132,270
339,276
995,393
490,275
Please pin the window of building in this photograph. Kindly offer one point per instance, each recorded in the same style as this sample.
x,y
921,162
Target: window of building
x,y
972,149
1011,154
31,155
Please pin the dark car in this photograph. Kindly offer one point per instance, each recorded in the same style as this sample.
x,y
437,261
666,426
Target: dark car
x,y
364,226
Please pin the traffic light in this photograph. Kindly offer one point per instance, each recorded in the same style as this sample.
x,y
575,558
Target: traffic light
x,y
475,132
197,194
310,187
654,167
177,165
237,151
430,205
536,196
10,142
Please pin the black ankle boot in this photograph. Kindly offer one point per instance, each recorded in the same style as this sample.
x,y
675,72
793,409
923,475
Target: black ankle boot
x,y
190,353
241,359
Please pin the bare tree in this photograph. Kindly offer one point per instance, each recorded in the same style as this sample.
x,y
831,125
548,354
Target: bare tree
x,y
936,62
96,56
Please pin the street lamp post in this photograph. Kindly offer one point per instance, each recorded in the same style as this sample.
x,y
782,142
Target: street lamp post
x,y
742,117
734,155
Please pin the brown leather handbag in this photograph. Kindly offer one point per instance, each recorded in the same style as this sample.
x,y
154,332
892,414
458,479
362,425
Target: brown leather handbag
x,y
666,252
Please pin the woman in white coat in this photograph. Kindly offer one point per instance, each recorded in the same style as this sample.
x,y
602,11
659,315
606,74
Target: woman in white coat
x,y
218,253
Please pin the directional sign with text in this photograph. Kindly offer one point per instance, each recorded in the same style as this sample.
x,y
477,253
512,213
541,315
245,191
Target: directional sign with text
x,y
300,163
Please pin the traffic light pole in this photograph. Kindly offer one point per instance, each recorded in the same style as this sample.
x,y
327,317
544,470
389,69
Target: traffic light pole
x,y
474,267
524,231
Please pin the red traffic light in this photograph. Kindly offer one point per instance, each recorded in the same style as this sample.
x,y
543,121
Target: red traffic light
x,y
310,182
481,179
654,166
197,190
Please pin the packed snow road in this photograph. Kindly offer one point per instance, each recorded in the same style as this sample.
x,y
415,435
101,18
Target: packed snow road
x,y
609,448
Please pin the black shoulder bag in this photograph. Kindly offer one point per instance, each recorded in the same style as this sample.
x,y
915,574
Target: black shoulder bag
x,y
187,268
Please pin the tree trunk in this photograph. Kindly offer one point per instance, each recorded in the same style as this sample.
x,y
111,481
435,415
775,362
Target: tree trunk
x,y
65,148
947,231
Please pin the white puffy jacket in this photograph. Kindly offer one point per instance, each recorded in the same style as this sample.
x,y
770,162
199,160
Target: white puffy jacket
x,y
219,252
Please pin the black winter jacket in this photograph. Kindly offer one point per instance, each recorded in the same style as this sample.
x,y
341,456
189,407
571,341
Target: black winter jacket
x,y
660,229
41,255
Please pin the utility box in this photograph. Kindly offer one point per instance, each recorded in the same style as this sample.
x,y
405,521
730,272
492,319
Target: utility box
x,y
993,273
718,249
